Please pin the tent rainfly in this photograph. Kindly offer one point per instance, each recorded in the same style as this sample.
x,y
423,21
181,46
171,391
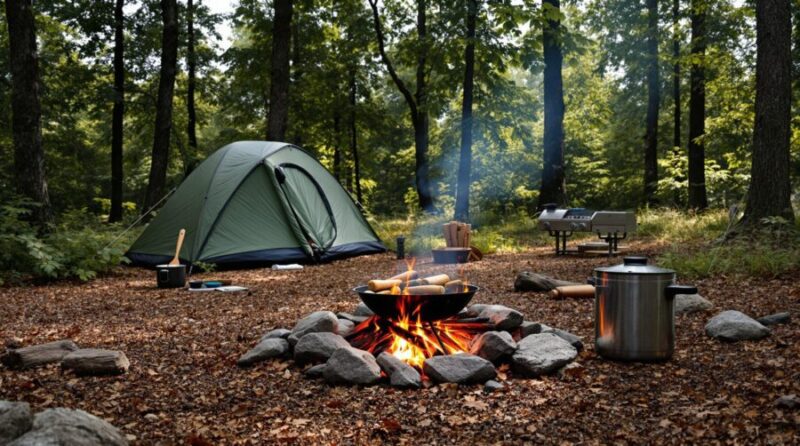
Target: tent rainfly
x,y
257,202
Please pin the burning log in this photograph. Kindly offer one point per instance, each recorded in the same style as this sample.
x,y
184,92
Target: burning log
x,y
406,276
425,289
453,286
380,285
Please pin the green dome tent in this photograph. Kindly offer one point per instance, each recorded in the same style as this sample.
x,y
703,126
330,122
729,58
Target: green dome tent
x,y
257,202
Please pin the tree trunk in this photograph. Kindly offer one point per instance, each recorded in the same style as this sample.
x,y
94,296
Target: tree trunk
x,y
118,113
421,127
26,109
697,109
465,160
337,156
553,189
166,88
191,63
676,96
653,97
770,189
354,138
278,117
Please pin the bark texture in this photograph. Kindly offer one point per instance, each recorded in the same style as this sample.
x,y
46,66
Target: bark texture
x,y
770,189
26,109
553,189
191,63
354,137
37,355
465,155
278,118
653,99
697,109
118,113
166,90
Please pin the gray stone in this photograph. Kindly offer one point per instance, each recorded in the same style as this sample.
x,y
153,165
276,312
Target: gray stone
x,y
691,303
267,348
38,355
791,401
460,368
732,326
316,322
542,353
529,328
400,374
475,309
493,345
352,317
774,319
352,366
16,418
574,340
492,385
278,333
363,310
545,328
56,427
345,327
96,361
315,372
317,347
502,317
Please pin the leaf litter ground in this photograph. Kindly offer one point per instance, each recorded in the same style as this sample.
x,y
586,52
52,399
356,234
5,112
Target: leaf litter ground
x,y
184,387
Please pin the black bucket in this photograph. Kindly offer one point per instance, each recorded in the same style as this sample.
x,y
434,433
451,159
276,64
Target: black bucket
x,y
171,276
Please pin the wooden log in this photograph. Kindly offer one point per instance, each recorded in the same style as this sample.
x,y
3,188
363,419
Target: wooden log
x,y
380,285
446,233
425,289
38,355
577,291
530,281
406,276
453,286
95,361
439,279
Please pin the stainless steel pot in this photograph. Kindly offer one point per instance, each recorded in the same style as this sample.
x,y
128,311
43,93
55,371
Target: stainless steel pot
x,y
634,310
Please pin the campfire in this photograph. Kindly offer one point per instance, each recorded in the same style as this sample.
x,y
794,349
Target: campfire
x,y
417,318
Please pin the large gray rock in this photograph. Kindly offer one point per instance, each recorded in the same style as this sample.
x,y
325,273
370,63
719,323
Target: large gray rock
x,y
316,322
62,427
400,374
317,347
345,327
493,345
315,372
352,366
280,333
732,326
16,418
96,361
38,355
774,319
691,303
502,317
363,310
267,348
351,317
461,368
542,353
575,340
529,328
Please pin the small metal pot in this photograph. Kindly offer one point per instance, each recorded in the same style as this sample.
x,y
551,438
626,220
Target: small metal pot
x,y
171,276
634,304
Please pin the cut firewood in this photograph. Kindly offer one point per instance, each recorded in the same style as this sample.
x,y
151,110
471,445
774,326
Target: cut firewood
x,y
95,361
37,355
577,291
415,282
530,281
425,289
439,279
379,285
408,275
453,286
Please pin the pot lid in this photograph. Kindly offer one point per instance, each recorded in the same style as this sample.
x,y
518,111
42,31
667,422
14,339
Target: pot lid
x,y
634,265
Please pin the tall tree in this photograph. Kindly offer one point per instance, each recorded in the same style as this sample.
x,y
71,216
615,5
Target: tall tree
x,y
191,63
697,109
770,188
653,99
354,137
676,73
278,116
417,103
26,109
166,89
465,160
118,113
553,189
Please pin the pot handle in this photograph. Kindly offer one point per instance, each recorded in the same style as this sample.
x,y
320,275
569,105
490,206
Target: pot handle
x,y
674,290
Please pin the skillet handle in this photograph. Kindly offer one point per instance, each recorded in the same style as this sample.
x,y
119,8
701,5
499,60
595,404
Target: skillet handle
x,y
674,290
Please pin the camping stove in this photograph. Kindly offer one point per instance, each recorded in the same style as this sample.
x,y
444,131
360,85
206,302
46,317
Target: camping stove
x,y
610,226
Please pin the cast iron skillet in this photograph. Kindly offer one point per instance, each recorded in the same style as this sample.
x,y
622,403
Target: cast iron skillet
x,y
431,307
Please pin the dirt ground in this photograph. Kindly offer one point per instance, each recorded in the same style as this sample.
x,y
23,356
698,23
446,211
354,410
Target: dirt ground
x,y
183,386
